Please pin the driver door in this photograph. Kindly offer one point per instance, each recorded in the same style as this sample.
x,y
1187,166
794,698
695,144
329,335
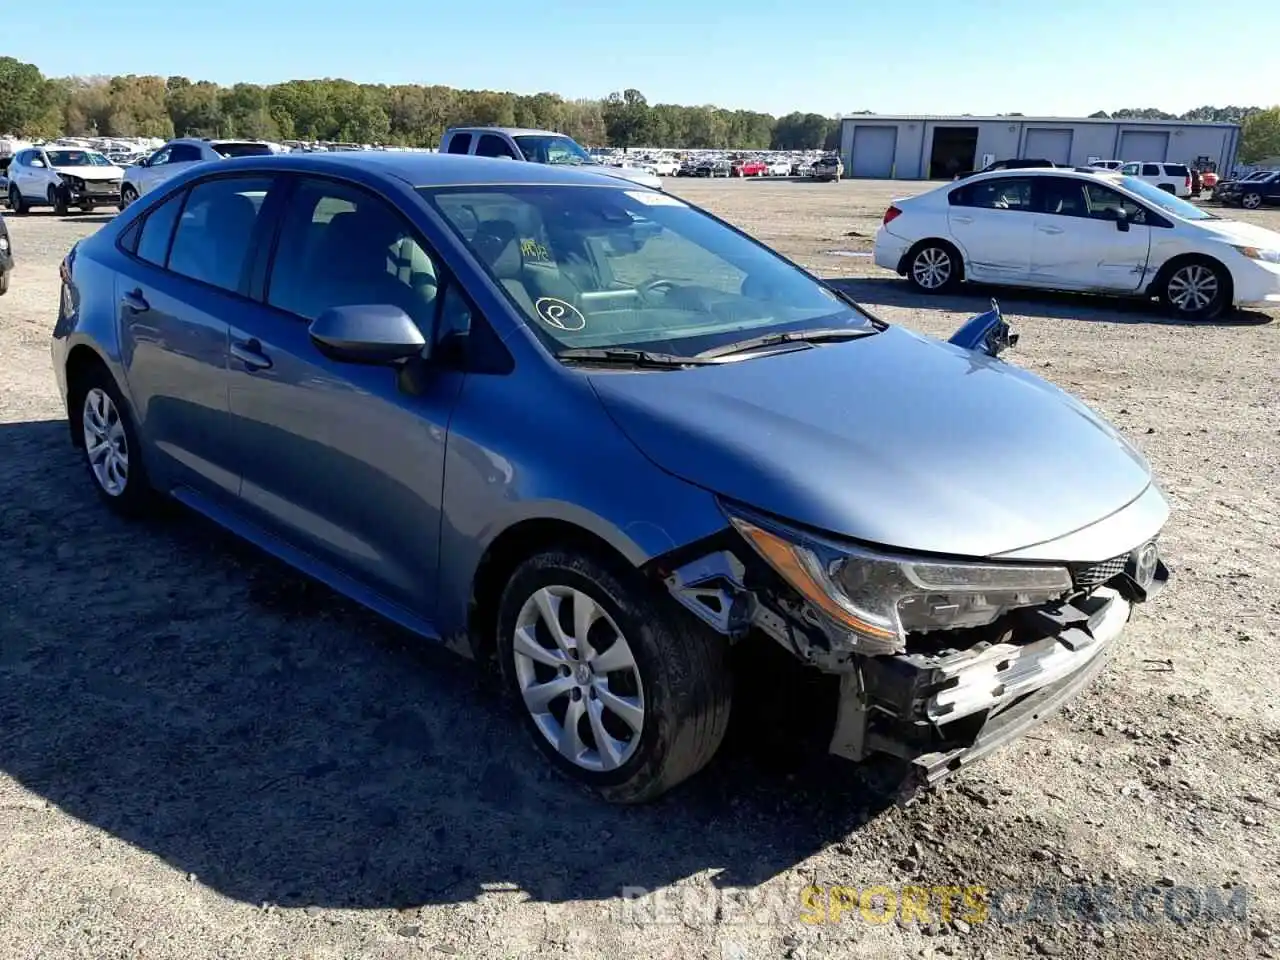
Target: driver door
x,y
1080,242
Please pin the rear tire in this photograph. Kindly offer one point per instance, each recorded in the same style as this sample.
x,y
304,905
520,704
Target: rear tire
x,y
112,452
934,266
1197,289
592,655
16,203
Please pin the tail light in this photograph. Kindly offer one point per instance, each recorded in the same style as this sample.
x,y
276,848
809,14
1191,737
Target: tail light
x,y
890,215
1188,181
68,262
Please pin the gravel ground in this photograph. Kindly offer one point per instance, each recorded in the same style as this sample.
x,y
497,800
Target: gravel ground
x,y
204,755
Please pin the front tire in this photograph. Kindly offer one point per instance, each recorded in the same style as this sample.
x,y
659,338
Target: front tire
x,y
58,201
127,196
112,453
620,690
934,267
1251,201
1197,290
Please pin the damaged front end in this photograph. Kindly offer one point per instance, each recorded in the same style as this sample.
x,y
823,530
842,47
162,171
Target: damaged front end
x,y
940,660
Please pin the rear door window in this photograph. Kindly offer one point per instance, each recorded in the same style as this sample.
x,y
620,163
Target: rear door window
x,y
242,149
211,243
184,153
493,146
1151,169
459,143
1001,193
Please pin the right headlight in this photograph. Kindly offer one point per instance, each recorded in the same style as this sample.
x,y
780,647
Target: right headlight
x,y
877,598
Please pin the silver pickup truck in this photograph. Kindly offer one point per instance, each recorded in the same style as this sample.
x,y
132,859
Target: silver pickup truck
x,y
536,146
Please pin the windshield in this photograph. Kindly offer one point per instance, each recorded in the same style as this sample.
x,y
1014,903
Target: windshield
x,y
552,149
77,158
598,267
1164,200
242,149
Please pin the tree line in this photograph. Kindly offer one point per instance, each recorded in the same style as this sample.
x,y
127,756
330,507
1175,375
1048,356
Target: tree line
x,y
33,105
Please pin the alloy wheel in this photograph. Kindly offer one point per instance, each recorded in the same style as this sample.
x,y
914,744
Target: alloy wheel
x,y
578,678
1251,201
1193,288
127,196
105,442
931,268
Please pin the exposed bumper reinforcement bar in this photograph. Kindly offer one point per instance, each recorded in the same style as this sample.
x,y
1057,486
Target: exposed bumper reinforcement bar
x,y
944,713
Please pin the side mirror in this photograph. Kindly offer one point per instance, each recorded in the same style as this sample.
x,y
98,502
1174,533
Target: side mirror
x,y
986,333
367,333
1122,220
37,163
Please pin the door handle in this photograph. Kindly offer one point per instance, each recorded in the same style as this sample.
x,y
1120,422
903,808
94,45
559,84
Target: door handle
x,y
963,219
249,352
1051,230
135,302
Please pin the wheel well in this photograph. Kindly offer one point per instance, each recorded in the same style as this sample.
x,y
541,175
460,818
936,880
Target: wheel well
x,y
511,547
80,361
1157,285
905,263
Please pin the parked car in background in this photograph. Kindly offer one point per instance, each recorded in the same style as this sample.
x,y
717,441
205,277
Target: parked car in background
x,y
176,155
780,168
368,364
1012,163
748,167
1095,232
663,166
62,177
688,168
6,256
827,168
1173,178
1107,164
536,146
713,167
1250,192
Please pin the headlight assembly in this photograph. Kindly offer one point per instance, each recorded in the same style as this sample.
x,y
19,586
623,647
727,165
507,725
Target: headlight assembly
x,y
878,598
1255,253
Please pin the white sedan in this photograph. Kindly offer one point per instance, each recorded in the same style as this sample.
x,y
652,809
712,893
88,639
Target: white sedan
x,y
1080,229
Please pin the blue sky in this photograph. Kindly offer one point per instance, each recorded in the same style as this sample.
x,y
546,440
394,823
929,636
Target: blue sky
x,y
1066,57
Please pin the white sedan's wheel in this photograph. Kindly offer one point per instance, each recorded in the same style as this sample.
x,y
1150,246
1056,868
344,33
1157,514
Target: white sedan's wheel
x,y
933,268
1196,291
105,443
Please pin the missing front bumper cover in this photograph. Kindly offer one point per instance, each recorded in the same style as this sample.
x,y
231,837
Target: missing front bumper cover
x,y
941,713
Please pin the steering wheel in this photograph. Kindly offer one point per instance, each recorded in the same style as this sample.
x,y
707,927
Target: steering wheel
x,y
660,285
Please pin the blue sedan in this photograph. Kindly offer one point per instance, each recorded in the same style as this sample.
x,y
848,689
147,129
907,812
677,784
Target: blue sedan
x,y
593,434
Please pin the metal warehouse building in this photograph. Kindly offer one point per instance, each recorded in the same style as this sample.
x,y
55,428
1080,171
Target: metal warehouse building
x,y
920,148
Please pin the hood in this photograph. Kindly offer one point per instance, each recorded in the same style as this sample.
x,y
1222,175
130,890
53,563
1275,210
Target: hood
x,y
91,173
895,439
632,174
1236,231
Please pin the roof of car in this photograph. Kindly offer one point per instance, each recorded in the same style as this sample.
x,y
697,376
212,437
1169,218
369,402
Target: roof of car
x,y
509,131
435,169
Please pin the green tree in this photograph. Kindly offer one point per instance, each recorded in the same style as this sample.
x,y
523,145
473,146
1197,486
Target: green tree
x,y
626,118
26,98
1260,136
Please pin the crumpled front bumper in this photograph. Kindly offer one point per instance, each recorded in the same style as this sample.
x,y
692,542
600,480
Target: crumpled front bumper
x,y
941,713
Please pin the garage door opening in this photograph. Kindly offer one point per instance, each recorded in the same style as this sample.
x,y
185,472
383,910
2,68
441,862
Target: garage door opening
x,y
954,151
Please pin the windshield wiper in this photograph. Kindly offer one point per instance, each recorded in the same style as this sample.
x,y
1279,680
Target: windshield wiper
x,y
824,335
625,357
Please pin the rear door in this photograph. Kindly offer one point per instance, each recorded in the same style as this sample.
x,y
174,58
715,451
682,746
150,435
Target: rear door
x,y
340,460
184,278
991,221
1078,242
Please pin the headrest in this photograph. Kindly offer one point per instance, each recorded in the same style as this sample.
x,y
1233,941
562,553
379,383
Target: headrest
x,y
497,244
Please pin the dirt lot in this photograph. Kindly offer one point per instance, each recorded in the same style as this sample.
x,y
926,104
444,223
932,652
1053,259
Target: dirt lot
x,y
203,755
